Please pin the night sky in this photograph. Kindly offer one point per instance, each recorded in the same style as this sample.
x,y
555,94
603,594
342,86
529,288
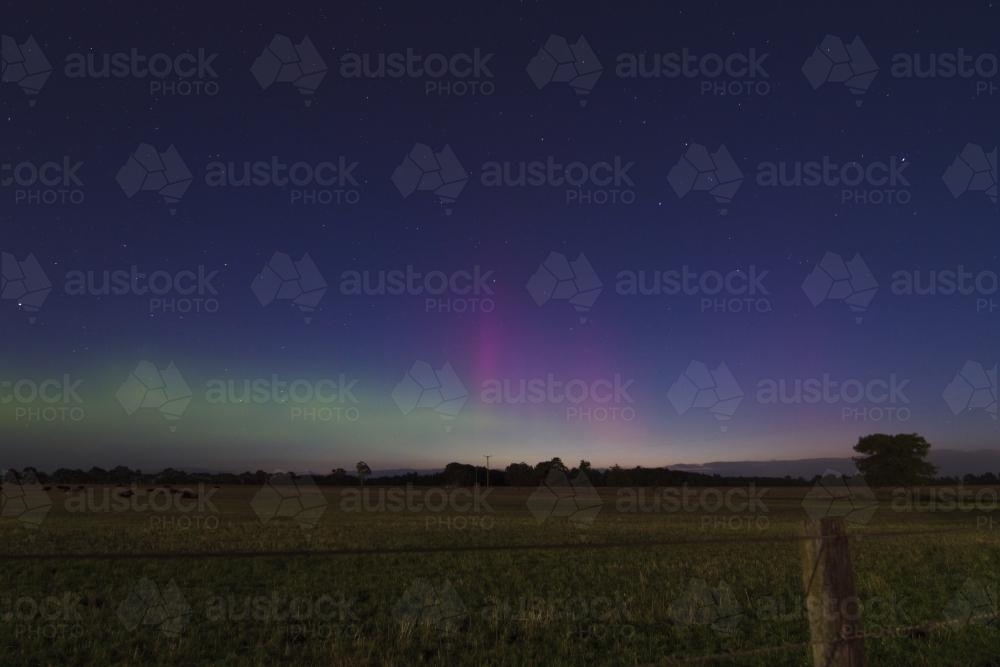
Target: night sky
x,y
366,344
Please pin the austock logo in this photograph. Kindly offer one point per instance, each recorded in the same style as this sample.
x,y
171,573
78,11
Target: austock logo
x,y
25,65
579,614
559,279
836,280
559,62
983,500
325,400
423,387
28,284
734,509
418,500
284,62
699,170
52,617
24,282
283,279
974,388
737,291
286,495
976,603
181,292
734,75
164,173
425,606
576,179
873,183
974,170
700,387
325,183
23,498
46,401
949,282
880,615
559,496
147,605
425,170
51,183
304,616
147,387
454,292
872,401
982,68
584,400
834,62
471,71
714,607
837,496
164,608
167,507
184,74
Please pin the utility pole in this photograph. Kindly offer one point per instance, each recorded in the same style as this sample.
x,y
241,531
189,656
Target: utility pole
x,y
487,457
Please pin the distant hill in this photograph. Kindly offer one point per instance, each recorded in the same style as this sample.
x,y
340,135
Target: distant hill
x,y
950,463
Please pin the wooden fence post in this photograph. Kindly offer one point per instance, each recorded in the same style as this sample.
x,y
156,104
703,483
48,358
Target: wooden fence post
x,y
828,580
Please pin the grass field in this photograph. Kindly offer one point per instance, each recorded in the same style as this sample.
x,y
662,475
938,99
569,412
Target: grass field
x,y
571,605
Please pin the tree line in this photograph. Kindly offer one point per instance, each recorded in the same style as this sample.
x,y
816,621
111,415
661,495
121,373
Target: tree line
x,y
884,460
453,474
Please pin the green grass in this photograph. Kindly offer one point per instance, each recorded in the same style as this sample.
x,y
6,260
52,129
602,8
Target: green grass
x,y
575,606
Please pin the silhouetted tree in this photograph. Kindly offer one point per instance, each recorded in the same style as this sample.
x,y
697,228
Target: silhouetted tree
x,y
459,474
542,468
363,471
519,474
894,459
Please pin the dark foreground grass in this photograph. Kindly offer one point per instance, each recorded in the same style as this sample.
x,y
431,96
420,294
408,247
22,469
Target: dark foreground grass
x,y
568,606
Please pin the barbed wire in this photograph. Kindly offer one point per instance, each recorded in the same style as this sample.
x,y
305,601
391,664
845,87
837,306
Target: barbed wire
x,y
930,626
473,548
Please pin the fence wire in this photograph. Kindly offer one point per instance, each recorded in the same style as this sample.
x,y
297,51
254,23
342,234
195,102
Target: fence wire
x,y
474,548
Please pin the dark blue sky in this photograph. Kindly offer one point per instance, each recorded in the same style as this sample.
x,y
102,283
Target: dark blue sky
x,y
917,125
